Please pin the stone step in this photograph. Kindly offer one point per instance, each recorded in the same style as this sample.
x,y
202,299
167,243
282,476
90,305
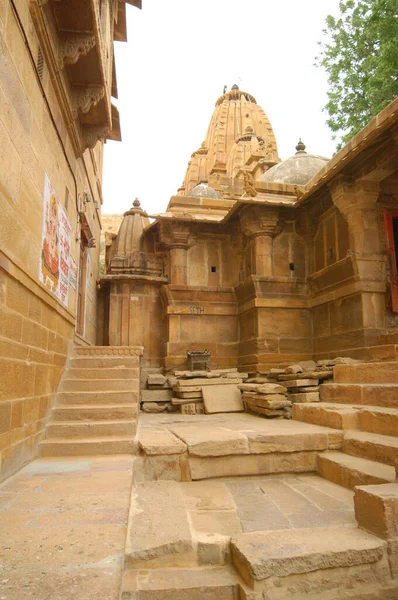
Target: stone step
x,y
77,429
271,555
350,471
87,447
73,398
364,394
327,414
377,372
100,385
377,419
200,583
104,373
80,412
380,448
104,362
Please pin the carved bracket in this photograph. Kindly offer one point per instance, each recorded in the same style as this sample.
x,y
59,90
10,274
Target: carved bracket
x,y
176,235
260,220
74,45
92,134
87,97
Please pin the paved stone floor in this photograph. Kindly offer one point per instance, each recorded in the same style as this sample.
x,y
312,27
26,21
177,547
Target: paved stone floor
x,y
63,528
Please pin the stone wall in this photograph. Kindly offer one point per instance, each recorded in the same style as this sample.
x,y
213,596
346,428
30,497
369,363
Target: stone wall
x,y
36,328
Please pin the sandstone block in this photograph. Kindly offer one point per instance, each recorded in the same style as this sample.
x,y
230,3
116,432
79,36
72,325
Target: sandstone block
x,y
308,365
266,412
157,380
272,388
153,407
181,401
211,440
156,395
294,369
249,387
305,397
159,530
188,409
273,401
159,441
299,383
222,399
376,509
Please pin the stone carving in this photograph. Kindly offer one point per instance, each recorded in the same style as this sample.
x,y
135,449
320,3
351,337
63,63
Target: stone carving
x,y
248,184
87,97
260,220
176,234
91,135
72,46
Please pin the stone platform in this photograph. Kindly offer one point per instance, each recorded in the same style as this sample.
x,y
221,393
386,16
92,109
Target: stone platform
x,y
184,448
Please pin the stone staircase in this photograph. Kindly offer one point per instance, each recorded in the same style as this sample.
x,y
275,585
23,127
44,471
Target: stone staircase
x,y
363,401
96,406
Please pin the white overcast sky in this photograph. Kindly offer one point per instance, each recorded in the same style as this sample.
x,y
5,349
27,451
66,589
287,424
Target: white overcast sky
x,y
179,56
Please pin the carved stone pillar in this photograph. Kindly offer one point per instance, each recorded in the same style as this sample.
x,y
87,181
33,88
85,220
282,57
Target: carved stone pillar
x,y
356,201
177,237
260,224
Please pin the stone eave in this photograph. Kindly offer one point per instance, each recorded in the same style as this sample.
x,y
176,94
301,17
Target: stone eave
x,y
112,277
372,134
270,199
71,44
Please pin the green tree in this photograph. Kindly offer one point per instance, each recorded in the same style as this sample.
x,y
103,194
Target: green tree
x,y
360,55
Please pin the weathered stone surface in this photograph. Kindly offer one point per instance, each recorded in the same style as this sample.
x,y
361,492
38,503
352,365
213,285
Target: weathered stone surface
x,y
249,387
156,395
206,382
304,397
159,531
294,369
271,388
376,509
259,556
222,399
381,448
321,374
191,408
156,379
266,412
252,464
260,443
267,401
153,407
350,471
181,401
211,440
159,441
308,365
300,383
329,415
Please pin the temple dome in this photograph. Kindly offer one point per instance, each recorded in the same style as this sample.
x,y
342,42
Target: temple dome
x,y
129,237
203,190
298,169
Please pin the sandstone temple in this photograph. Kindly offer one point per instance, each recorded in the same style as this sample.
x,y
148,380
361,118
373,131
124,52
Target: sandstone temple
x,y
201,403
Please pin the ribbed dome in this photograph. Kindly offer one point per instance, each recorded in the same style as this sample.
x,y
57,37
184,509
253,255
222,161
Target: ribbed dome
x,y
298,169
129,238
202,190
235,113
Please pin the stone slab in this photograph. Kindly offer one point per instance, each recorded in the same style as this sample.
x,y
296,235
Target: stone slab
x,y
305,397
162,395
376,509
306,375
381,448
159,441
299,383
156,379
266,412
271,388
264,443
273,401
350,471
211,440
218,399
259,556
180,401
159,532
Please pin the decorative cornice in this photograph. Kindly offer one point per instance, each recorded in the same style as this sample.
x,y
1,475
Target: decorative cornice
x,y
74,45
110,351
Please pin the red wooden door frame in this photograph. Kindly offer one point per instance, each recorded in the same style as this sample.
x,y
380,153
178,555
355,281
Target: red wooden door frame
x,y
392,252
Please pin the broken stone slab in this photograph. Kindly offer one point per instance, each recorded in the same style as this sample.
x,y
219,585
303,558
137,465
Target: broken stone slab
x,y
187,388
305,397
308,365
190,374
182,383
181,401
266,412
307,375
159,441
159,532
156,379
285,441
252,395
218,399
261,555
294,369
272,388
190,395
236,374
211,440
156,395
249,387
268,401
153,407
275,372
299,383
311,388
